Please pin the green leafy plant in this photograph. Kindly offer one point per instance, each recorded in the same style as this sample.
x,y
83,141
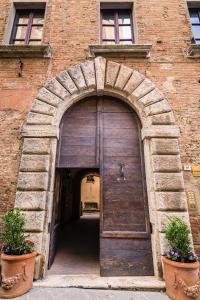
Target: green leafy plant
x,y
177,234
13,234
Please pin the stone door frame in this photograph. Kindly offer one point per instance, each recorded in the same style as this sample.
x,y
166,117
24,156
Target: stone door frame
x,y
164,178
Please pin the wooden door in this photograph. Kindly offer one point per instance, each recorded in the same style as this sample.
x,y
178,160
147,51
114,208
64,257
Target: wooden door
x,y
55,221
105,133
125,244
78,138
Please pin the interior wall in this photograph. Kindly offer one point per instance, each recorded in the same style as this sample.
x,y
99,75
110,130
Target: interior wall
x,y
90,192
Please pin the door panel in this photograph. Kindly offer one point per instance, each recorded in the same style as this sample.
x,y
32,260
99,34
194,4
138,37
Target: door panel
x,y
122,257
78,136
124,209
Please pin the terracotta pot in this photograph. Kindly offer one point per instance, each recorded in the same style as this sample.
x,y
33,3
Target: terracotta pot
x,y
182,280
17,274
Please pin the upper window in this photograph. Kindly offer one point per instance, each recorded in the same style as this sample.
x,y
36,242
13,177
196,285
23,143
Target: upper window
x,y
28,27
195,21
116,26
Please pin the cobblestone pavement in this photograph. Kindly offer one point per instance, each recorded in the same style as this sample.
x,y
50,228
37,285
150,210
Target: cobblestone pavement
x,y
84,294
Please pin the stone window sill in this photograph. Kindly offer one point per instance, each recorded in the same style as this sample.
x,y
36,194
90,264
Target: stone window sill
x,y
193,51
135,50
25,51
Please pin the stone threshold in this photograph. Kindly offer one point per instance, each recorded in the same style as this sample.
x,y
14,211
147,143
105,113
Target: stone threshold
x,y
87,281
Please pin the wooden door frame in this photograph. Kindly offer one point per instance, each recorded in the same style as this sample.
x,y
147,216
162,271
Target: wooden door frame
x,y
165,184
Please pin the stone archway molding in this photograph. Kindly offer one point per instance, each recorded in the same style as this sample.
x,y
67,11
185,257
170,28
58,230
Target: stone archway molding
x,y
165,183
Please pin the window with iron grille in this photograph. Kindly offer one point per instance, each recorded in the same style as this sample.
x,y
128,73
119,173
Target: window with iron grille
x,y
28,27
116,26
195,21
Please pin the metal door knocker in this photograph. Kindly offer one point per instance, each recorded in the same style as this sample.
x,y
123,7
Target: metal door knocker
x,y
122,176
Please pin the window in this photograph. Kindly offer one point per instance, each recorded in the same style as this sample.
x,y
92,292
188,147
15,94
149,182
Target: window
x,y
28,27
116,26
195,21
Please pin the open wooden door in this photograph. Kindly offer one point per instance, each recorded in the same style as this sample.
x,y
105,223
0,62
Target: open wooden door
x,y
55,221
103,132
125,244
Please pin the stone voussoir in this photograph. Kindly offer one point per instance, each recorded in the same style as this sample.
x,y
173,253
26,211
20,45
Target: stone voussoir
x,y
34,220
112,71
36,146
153,96
134,81
31,200
166,163
157,108
168,181
39,119
89,73
29,181
77,76
57,88
123,77
144,88
48,97
100,68
163,119
67,82
34,163
167,201
43,108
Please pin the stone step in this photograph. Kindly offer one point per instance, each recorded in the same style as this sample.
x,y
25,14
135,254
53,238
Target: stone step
x,y
139,283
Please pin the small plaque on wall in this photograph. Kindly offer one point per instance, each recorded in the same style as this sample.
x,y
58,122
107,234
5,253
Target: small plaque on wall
x,y
191,199
196,171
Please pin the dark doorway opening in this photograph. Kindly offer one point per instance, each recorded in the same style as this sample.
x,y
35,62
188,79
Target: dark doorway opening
x,y
74,246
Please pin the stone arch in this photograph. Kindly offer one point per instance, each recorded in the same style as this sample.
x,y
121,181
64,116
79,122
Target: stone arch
x,y
160,135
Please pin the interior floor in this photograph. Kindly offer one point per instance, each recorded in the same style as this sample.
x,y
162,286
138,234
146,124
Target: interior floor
x,y
78,247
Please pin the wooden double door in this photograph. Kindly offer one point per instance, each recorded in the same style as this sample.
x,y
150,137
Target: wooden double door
x,y
104,133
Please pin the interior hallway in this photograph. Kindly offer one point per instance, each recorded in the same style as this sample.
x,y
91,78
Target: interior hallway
x,y
78,247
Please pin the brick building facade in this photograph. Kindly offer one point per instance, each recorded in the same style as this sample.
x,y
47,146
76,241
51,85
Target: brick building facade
x,y
162,51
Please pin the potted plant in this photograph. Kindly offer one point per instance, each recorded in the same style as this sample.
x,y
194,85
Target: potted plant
x,y
181,267
17,257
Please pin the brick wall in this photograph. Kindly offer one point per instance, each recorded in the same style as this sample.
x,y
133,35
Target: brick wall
x,y
69,27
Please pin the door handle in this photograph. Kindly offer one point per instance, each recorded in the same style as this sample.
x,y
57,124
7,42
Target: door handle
x,y
122,176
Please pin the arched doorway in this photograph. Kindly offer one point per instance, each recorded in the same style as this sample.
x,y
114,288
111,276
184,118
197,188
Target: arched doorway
x,y
103,134
159,133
